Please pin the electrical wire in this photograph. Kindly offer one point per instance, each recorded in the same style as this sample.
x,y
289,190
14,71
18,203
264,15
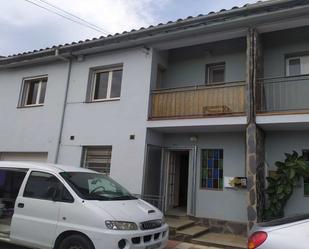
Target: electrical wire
x,y
70,14
68,18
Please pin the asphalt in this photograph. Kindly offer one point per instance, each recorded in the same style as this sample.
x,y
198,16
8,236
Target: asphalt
x,y
8,246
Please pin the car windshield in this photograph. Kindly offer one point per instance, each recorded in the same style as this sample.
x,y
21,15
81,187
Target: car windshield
x,y
95,186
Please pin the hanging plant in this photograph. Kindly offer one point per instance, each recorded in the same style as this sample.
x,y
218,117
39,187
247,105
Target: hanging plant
x,y
281,186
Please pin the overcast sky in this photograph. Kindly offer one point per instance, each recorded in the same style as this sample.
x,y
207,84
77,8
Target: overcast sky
x,y
24,26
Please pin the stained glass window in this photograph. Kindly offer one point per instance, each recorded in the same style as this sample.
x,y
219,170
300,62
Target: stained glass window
x,y
212,168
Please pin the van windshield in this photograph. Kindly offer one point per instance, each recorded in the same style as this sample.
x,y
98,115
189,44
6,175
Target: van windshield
x,y
95,186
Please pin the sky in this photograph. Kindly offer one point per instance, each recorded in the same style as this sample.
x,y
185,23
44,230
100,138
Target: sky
x,y
25,26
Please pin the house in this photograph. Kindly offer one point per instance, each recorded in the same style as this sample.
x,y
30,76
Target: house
x,y
173,112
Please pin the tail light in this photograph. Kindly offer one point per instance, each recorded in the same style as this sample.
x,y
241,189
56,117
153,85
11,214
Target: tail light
x,y
256,240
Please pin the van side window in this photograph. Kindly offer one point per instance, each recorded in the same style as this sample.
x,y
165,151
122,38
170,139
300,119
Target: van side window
x,y
41,185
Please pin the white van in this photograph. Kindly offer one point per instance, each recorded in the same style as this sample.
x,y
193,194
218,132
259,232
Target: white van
x,y
50,206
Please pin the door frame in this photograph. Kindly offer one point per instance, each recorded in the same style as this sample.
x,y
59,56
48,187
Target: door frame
x,y
192,175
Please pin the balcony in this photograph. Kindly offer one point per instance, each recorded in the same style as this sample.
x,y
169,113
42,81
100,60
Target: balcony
x,y
283,95
200,101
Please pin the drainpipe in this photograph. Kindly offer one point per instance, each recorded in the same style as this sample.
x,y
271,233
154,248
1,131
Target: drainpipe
x,y
56,158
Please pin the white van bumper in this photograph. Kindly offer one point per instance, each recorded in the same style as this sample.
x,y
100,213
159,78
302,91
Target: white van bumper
x,y
147,239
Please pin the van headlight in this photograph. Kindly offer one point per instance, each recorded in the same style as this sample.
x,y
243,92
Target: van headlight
x,y
120,225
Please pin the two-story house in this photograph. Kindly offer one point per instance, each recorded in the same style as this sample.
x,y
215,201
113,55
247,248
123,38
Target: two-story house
x,y
174,111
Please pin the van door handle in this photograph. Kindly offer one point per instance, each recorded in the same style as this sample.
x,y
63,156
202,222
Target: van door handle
x,y
20,205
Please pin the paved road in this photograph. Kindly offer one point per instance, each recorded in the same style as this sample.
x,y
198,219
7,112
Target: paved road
x,y
8,246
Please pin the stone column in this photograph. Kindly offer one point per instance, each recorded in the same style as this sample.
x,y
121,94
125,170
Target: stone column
x,y
254,135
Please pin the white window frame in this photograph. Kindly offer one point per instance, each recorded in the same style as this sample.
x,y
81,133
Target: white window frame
x,y
214,66
109,84
304,60
25,92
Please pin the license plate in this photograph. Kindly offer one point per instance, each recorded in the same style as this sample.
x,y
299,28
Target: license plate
x,y
155,246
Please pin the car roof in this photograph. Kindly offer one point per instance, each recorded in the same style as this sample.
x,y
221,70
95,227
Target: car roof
x,y
56,168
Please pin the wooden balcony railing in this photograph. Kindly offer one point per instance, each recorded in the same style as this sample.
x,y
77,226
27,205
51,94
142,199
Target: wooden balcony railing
x,y
199,101
283,94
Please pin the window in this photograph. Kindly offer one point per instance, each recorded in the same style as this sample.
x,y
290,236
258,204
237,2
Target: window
x,y
98,158
297,65
41,186
215,73
212,169
45,186
94,186
106,84
306,179
33,93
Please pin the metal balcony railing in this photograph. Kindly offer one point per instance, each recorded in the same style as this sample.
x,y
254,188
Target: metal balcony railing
x,y
283,94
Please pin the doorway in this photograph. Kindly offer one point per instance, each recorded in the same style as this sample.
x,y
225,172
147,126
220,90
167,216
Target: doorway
x,y
177,182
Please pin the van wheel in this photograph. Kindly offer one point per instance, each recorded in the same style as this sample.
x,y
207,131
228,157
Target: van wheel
x,y
76,242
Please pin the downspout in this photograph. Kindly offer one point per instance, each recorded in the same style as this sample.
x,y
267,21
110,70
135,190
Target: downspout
x,y
64,103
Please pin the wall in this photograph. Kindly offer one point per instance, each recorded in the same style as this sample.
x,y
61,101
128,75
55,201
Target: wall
x,y
187,66
110,122
277,45
227,204
278,143
288,94
32,129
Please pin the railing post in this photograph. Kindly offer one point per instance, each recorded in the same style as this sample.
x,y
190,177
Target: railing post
x,y
254,135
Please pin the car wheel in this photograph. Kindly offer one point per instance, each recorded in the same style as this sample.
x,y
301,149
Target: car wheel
x,y
76,242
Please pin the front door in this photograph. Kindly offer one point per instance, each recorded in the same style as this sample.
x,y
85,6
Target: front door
x,y
179,182
35,216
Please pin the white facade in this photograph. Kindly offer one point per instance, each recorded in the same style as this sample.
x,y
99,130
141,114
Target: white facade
x,y
68,122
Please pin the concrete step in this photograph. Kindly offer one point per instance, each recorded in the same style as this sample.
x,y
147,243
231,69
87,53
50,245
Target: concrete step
x,y
222,240
193,231
178,224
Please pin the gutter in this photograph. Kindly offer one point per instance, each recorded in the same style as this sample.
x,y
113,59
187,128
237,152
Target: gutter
x,y
64,106
151,34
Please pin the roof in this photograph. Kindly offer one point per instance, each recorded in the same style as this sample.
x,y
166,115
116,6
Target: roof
x,y
55,168
161,28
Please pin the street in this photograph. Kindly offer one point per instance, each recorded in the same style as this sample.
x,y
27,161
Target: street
x,y
171,245
8,246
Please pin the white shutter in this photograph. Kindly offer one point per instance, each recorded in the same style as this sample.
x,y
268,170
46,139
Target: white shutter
x,y
23,156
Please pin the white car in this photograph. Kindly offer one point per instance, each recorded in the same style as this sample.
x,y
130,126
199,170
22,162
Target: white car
x,y
50,206
287,233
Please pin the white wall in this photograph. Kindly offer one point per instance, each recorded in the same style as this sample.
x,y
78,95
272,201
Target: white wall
x,y
111,122
192,71
33,129
227,204
278,143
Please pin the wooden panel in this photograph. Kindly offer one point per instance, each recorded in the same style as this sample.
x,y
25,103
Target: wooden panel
x,y
199,101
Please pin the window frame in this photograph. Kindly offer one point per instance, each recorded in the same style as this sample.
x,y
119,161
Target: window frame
x,y
201,167
25,91
110,71
209,67
304,60
287,65
60,187
84,156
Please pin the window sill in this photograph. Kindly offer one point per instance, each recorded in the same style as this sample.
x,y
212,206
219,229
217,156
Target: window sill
x,y
29,106
103,100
